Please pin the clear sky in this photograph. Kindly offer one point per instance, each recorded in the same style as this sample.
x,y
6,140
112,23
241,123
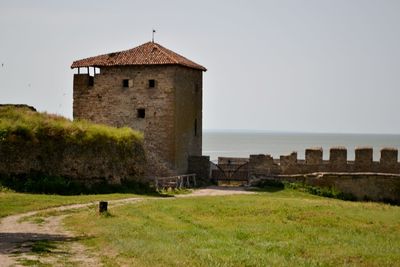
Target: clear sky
x,y
283,65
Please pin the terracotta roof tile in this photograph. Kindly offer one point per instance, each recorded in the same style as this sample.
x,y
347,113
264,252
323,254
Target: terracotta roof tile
x,y
146,54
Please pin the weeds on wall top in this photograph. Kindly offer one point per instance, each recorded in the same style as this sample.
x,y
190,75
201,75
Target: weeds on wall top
x,y
25,124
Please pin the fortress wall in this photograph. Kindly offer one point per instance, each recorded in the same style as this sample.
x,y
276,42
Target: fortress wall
x,y
85,163
232,160
259,164
358,186
314,156
289,164
338,159
389,161
363,186
362,179
200,165
364,159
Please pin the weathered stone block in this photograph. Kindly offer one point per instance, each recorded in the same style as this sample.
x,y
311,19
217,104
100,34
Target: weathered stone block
x,y
289,164
389,161
389,156
338,159
314,156
363,159
263,165
201,166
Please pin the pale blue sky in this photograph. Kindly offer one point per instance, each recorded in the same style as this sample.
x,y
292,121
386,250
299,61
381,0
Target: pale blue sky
x,y
311,65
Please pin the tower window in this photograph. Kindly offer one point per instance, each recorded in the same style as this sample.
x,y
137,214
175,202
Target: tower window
x,y
141,113
127,83
152,83
91,80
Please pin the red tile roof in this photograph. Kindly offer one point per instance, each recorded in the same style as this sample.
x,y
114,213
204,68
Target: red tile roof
x,y
146,54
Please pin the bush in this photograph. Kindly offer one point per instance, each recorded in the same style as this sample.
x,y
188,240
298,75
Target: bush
x,y
43,184
330,192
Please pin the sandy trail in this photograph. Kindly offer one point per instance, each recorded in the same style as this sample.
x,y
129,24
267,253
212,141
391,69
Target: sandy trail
x,y
18,235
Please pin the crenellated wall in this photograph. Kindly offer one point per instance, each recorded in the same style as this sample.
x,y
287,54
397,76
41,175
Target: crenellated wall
x,y
388,163
363,178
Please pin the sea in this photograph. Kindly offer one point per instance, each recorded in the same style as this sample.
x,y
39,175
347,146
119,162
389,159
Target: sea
x,y
240,143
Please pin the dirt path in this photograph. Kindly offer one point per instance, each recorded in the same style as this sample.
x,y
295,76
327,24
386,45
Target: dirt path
x,y
20,234
217,191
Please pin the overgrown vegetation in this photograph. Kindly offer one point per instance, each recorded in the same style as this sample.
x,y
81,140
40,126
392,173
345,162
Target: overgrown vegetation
x,y
174,191
283,228
318,191
41,183
29,125
44,153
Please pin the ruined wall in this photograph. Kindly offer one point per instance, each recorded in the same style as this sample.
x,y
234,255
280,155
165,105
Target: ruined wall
x,y
361,186
85,163
170,108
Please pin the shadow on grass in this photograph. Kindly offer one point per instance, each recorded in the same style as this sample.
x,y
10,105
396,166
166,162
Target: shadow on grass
x,y
267,188
39,183
17,243
269,185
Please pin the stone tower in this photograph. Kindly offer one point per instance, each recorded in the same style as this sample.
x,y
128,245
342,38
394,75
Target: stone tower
x,y
148,88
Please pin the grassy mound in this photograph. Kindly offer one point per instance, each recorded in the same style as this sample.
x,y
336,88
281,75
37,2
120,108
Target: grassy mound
x,y
50,154
30,125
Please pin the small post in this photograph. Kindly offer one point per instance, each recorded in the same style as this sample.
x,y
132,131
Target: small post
x,y
103,206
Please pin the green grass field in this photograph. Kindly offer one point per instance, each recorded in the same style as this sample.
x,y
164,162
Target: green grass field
x,y
13,203
282,228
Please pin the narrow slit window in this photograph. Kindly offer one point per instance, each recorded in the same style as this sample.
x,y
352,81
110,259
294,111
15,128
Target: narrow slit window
x,y
141,113
195,127
125,83
152,83
91,80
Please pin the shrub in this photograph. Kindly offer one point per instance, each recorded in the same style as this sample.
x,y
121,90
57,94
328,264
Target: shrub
x,y
330,192
44,184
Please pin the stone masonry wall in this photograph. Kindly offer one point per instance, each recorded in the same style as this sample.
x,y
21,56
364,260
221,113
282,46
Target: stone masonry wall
x,y
200,165
88,164
362,178
361,186
170,108
188,116
262,165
